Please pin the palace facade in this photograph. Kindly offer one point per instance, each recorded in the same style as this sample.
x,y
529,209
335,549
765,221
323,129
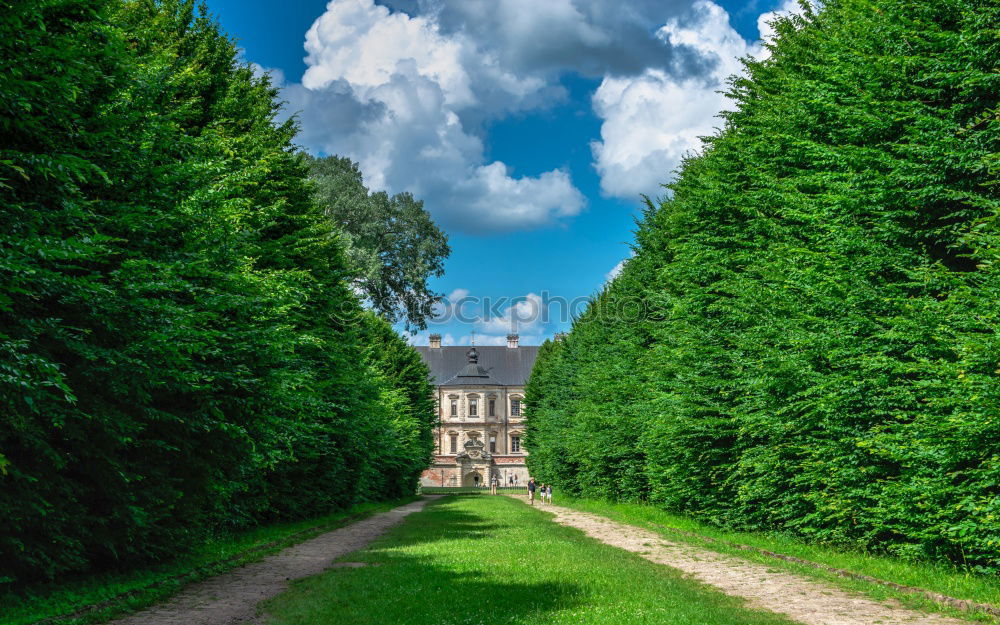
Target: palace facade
x,y
480,394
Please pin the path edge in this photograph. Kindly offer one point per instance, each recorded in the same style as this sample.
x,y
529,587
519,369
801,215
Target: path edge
x,y
211,569
964,605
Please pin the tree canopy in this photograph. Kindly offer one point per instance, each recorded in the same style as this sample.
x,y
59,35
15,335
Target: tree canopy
x,y
391,241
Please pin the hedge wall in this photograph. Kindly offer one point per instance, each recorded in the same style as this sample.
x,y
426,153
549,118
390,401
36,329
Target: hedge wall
x,y
180,351
817,352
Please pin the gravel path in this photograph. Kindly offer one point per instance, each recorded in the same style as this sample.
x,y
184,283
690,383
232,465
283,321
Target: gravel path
x,y
232,598
801,599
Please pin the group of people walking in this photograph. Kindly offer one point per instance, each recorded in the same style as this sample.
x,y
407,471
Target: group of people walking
x,y
544,492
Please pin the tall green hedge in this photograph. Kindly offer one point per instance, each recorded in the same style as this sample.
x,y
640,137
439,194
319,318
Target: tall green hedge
x,y
180,351
818,349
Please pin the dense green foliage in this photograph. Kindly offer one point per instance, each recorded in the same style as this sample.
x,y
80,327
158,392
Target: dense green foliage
x,y
391,241
180,348
816,348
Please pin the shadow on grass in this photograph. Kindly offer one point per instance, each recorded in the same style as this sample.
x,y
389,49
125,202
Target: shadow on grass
x,y
411,590
449,524
452,585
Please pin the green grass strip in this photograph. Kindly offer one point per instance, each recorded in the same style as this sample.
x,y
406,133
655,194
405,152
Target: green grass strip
x,y
879,576
99,598
492,561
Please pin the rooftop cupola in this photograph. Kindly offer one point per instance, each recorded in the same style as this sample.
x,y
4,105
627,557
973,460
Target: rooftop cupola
x,y
472,370
512,340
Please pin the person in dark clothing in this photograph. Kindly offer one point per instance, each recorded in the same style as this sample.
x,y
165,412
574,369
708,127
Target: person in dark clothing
x,y
531,491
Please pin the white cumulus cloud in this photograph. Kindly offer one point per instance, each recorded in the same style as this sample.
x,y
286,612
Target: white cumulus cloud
x,y
653,120
366,45
617,269
524,315
407,88
388,90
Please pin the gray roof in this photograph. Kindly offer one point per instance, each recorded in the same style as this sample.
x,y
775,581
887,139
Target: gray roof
x,y
502,366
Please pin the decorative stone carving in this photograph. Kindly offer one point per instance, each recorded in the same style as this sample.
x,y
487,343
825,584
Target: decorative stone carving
x,y
474,450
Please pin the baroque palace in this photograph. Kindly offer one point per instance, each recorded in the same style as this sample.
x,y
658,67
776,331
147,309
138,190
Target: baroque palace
x,y
479,393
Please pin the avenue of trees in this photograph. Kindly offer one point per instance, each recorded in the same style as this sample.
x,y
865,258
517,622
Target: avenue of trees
x,y
181,347
806,340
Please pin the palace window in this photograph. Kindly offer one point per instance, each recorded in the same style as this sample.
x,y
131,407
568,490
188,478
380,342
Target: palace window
x,y
493,444
515,407
454,407
454,443
515,444
473,407
493,407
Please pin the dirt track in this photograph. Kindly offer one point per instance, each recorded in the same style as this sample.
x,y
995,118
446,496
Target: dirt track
x,y
801,599
232,598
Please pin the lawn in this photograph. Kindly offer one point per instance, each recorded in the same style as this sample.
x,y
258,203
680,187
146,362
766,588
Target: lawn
x,y
487,560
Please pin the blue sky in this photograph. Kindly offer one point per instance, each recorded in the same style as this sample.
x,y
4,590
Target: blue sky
x,y
529,128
